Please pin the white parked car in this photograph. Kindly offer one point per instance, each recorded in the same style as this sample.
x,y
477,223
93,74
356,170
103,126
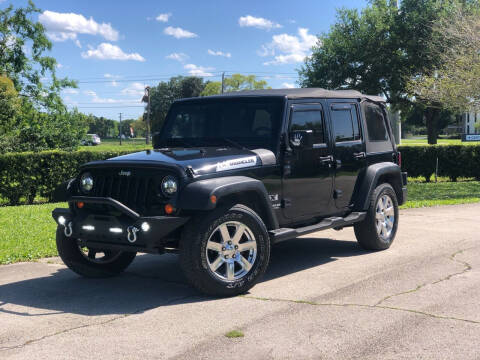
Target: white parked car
x,y
91,139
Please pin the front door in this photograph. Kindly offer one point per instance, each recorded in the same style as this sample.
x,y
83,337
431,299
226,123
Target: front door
x,y
349,151
308,175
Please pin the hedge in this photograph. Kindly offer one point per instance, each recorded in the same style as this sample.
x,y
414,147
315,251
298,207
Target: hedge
x,y
24,176
454,161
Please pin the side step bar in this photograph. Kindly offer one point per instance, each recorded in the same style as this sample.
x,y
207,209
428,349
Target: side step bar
x,y
327,223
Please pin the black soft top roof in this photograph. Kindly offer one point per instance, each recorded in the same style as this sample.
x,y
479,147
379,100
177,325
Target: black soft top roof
x,y
303,93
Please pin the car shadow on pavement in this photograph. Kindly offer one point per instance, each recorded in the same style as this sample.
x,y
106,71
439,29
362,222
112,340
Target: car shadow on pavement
x,y
150,282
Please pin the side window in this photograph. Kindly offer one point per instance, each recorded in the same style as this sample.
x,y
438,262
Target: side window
x,y
345,123
376,128
309,120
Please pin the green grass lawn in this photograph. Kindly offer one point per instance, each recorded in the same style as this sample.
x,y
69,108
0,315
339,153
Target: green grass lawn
x,y
423,141
27,232
114,145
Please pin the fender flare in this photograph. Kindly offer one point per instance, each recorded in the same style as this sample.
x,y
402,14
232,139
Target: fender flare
x,y
196,195
388,171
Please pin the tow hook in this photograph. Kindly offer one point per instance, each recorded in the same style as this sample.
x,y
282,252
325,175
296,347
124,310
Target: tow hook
x,y
132,234
67,230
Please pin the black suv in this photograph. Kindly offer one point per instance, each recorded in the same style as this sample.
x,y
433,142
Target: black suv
x,y
232,175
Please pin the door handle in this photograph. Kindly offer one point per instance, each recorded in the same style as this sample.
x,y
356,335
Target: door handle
x,y
359,155
326,160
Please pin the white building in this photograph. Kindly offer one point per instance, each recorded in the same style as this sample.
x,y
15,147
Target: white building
x,y
471,123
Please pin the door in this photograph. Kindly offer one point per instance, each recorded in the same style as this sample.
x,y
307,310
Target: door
x,y
308,174
349,151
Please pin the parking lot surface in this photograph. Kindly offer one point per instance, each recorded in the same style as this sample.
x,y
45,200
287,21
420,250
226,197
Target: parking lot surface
x,y
323,297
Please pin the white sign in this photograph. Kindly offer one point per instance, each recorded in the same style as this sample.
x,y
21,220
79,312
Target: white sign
x,y
472,137
237,163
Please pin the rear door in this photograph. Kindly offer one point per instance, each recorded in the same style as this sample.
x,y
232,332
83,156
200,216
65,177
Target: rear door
x,y
307,185
349,150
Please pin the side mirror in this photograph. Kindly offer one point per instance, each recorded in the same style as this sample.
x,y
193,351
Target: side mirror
x,y
301,138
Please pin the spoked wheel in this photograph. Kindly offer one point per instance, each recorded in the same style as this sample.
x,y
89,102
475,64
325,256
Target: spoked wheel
x,y
231,250
91,262
385,217
379,228
225,252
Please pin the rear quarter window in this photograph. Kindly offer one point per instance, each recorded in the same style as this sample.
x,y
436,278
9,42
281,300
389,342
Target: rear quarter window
x,y
377,139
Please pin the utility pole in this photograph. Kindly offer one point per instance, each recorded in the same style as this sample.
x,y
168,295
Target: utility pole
x,y
120,129
223,80
146,98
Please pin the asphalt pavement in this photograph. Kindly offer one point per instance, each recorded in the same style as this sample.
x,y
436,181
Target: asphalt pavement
x,y
323,297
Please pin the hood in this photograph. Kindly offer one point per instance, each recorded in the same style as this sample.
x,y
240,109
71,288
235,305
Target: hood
x,y
204,160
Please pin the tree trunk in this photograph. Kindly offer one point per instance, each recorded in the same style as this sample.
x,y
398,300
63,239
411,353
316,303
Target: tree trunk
x,y
431,116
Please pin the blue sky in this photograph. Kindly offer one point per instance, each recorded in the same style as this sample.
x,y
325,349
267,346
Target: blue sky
x,y
115,48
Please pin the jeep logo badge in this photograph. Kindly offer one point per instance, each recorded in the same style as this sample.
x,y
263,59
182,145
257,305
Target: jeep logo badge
x,y
124,173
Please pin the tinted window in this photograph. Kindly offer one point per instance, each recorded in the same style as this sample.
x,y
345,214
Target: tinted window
x,y
309,120
253,123
345,123
376,127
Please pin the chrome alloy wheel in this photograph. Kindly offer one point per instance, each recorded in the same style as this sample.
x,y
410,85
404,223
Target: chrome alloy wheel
x,y
385,217
99,256
231,251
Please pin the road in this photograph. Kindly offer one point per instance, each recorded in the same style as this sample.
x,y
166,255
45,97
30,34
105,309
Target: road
x,y
322,298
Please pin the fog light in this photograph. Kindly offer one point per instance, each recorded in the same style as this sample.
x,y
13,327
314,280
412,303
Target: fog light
x,y
145,227
116,230
88,227
62,220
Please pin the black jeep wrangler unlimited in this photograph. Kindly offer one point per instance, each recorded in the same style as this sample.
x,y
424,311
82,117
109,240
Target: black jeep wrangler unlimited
x,y
230,176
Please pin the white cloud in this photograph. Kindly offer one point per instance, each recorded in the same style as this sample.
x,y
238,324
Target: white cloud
x,y
181,57
59,66
257,22
179,33
195,70
163,17
77,42
98,100
66,26
219,53
110,76
289,49
287,85
135,89
106,51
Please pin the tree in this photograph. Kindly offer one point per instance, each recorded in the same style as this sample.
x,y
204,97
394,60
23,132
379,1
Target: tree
x,y
22,47
236,82
455,85
9,105
378,50
165,93
139,127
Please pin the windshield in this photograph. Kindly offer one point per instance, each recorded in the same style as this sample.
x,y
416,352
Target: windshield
x,y
238,122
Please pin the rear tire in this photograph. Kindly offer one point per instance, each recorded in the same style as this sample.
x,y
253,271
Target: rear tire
x,y
225,252
379,228
84,264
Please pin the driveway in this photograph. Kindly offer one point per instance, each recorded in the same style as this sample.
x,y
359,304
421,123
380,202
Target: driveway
x,y
322,297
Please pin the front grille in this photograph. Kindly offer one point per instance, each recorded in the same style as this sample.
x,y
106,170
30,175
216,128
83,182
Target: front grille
x,y
134,192
140,191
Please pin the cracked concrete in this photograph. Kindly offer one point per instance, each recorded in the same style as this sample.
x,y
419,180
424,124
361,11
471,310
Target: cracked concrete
x,y
323,297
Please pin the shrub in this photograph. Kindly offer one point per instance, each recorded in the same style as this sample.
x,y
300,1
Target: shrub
x,y
454,161
23,176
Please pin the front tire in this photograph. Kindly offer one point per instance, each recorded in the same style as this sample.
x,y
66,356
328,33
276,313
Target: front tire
x,y
379,228
91,263
225,253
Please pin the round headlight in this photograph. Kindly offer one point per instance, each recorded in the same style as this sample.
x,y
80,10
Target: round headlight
x,y
86,182
169,186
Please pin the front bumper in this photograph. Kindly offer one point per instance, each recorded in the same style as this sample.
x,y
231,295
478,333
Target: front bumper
x,y
127,230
